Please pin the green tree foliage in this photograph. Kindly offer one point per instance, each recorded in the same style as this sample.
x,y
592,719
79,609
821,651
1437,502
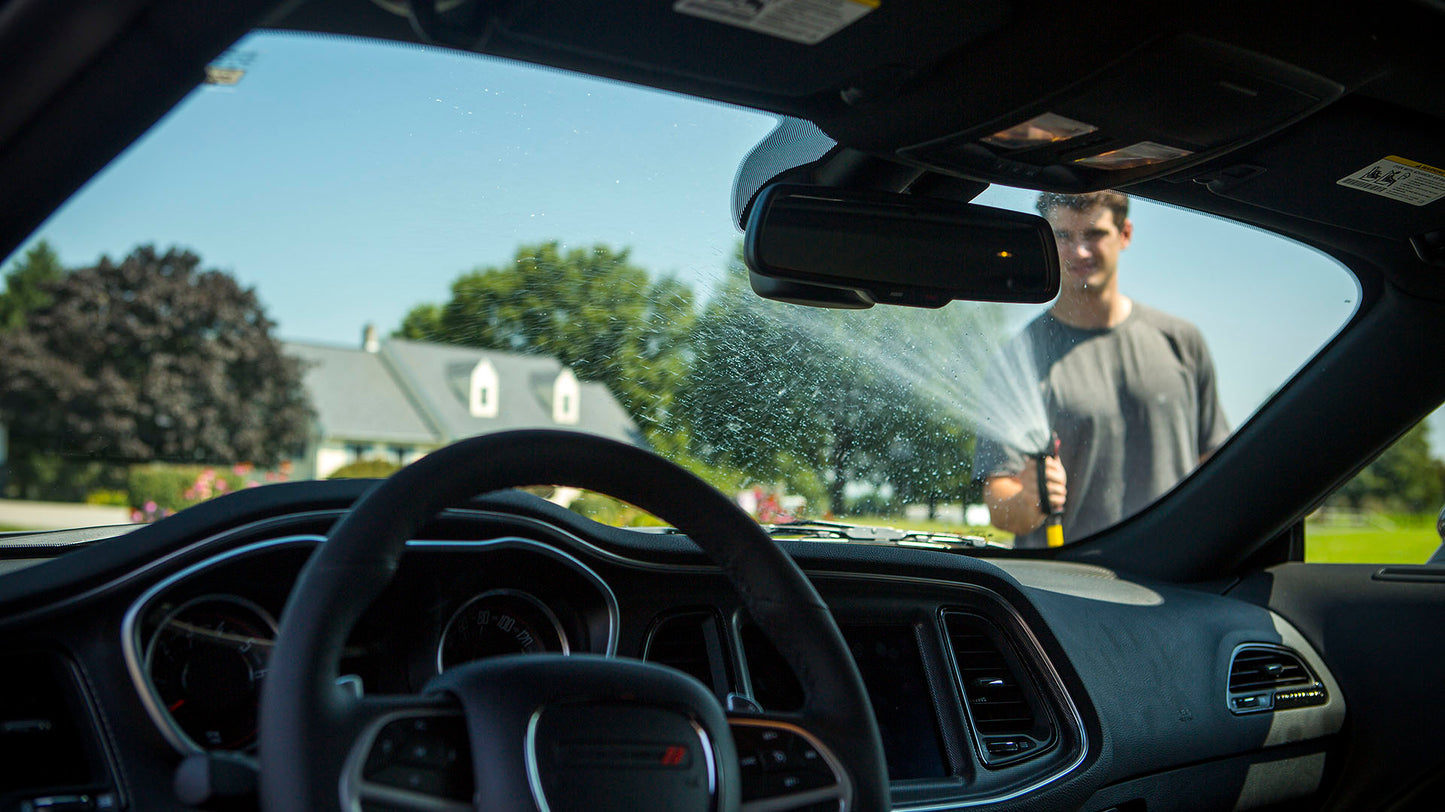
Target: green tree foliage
x,y
25,284
1406,478
150,358
785,392
591,309
746,391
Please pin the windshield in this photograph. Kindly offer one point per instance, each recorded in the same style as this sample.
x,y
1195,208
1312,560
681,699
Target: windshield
x,y
337,256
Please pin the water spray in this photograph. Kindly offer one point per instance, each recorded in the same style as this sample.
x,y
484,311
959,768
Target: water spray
x,y
1054,518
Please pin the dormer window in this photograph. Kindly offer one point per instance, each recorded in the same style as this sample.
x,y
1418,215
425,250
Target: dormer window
x,y
566,399
483,400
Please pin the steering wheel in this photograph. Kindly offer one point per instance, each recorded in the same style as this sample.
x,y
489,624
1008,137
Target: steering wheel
x,y
547,731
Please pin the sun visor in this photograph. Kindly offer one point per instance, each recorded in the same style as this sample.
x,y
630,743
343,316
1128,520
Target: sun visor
x,y
1167,106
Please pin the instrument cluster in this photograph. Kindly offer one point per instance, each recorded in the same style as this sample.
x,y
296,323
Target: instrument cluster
x,y
198,643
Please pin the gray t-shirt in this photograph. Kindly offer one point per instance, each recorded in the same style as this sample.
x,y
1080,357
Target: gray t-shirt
x,y
1135,406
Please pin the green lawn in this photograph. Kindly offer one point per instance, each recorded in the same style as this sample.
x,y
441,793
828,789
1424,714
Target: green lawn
x,y
1390,539
1345,545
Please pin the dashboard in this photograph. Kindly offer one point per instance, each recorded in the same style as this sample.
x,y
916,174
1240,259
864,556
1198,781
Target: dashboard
x,y
1004,682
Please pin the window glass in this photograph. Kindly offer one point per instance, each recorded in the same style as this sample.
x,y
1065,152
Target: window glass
x,y
1167,335
357,252
1386,514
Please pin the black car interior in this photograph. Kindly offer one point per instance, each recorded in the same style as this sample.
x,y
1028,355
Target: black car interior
x,y
1185,659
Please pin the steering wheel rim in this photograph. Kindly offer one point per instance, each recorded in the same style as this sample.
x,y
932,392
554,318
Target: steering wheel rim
x,y
304,731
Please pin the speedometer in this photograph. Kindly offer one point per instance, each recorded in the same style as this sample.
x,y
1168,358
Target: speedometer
x,y
206,660
502,621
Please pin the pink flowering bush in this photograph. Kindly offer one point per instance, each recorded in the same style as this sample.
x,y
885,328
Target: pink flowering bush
x,y
158,489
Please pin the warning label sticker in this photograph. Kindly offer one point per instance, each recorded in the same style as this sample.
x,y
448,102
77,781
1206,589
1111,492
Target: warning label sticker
x,y
805,21
1399,179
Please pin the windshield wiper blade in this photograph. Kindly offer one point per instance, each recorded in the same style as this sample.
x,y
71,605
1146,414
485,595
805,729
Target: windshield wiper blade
x,y
817,530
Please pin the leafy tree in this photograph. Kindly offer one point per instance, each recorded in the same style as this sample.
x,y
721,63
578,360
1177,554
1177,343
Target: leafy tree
x,y
25,284
748,390
591,309
930,461
1406,478
784,392
150,358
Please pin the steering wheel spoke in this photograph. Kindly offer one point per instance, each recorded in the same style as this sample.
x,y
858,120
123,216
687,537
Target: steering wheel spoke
x,y
784,767
410,752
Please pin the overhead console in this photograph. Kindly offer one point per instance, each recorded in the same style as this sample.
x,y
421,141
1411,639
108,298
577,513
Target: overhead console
x,y
1169,105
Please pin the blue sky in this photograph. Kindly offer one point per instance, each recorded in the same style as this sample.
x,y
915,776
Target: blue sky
x,y
349,182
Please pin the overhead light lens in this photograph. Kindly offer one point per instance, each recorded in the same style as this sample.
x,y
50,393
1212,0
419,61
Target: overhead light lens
x,y
1047,128
1144,153
223,76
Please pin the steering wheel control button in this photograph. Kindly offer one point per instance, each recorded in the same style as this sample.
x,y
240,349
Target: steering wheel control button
x,y
645,757
60,803
776,762
425,754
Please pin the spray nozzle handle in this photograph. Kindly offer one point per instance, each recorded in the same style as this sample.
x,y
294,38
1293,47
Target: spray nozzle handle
x,y
1039,460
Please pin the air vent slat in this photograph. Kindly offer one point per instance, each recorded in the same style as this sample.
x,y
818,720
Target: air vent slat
x,y
1006,715
1267,677
1259,668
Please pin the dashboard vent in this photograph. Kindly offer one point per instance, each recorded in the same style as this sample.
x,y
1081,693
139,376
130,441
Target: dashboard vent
x,y
45,729
1263,678
1009,720
692,642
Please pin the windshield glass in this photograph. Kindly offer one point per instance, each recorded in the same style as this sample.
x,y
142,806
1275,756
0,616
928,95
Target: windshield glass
x,y
338,255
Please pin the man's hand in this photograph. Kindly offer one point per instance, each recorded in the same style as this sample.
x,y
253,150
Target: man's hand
x,y
1013,501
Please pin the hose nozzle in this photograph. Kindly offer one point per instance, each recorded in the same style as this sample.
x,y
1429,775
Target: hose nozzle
x,y
1054,521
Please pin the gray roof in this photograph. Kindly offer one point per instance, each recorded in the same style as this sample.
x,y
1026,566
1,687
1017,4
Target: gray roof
x,y
357,398
417,393
439,374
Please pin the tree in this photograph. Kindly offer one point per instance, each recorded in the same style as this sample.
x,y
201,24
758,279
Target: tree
x,y
150,358
591,309
785,392
1406,478
25,284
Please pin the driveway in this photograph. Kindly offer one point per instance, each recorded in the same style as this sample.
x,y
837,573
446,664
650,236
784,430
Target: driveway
x,y
26,515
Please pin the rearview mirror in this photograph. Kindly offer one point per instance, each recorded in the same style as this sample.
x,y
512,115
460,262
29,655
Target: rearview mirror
x,y
844,248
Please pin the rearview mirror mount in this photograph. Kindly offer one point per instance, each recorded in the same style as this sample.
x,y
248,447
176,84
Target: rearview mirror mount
x,y
845,248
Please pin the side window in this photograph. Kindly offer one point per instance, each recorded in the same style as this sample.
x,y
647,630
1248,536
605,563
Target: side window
x,y
1387,513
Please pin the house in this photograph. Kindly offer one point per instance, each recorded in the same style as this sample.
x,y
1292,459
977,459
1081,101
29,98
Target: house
x,y
396,400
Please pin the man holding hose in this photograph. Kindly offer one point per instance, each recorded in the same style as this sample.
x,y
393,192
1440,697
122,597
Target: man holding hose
x,y
1129,391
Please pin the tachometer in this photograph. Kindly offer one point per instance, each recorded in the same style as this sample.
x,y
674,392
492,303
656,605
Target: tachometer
x,y
502,621
206,660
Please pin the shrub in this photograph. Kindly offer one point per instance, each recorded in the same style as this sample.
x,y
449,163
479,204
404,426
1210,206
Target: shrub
x,y
365,469
56,478
159,489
